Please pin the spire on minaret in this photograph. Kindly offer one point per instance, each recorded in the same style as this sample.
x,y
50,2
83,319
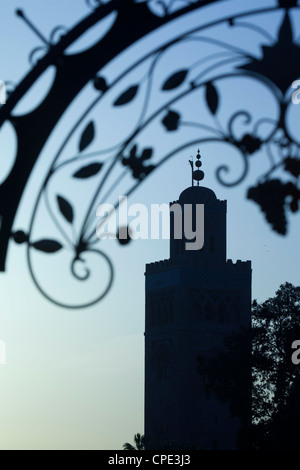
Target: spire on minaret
x,y
198,174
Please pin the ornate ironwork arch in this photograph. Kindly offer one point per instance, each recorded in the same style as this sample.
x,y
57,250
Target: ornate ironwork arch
x,y
161,99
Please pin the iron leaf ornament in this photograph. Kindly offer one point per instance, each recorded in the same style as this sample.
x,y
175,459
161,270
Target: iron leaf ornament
x,y
158,87
279,62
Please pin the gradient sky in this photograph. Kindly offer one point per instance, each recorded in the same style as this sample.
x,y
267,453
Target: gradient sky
x,y
74,379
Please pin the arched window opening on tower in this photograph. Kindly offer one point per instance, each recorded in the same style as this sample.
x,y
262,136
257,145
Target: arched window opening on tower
x,y
161,351
162,372
170,309
152,311
161,313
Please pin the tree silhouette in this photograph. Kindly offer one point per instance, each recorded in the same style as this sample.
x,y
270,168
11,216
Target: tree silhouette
x,y
139,441
275,378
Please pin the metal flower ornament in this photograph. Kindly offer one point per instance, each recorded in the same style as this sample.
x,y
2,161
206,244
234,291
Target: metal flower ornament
x,y
111,98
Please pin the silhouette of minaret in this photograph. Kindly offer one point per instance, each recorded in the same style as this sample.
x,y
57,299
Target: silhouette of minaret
x,y
193,300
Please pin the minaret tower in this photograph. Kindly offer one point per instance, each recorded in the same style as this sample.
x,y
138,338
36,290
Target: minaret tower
x,y
193,300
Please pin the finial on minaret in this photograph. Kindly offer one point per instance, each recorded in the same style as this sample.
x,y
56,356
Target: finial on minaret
x,y
198,174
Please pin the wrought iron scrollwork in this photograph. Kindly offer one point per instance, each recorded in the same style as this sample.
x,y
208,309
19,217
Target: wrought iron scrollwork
x,y
162,92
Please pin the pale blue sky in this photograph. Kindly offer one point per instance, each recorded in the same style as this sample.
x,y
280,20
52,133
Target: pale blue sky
x,y
74,379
